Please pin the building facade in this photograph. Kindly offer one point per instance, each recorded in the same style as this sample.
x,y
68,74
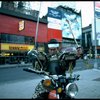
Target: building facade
x,y
17,35
87,45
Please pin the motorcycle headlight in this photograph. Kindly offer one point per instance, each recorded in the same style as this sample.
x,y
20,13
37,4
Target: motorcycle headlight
x,y
71,89
47,82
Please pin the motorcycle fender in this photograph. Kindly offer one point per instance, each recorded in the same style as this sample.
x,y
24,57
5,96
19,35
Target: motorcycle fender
x,y
52,95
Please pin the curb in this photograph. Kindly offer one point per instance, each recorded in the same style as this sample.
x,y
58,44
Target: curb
x,y
14,65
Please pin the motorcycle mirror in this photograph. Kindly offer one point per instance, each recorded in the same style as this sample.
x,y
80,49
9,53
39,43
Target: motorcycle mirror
x,y
34,55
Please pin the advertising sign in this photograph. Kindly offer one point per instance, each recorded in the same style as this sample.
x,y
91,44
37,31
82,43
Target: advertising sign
x,y
75,22
54,24
57,20
21,25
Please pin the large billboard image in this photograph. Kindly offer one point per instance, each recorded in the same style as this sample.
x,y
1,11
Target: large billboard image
x,y
60,20
75,24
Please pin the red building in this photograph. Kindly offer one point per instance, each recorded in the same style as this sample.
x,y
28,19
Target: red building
x,y
10,24
17,35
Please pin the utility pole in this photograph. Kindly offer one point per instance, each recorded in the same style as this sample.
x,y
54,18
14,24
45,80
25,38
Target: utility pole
x,y
36,35
95,63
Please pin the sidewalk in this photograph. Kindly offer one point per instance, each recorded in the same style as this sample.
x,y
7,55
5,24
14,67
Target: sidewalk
x,y
89,84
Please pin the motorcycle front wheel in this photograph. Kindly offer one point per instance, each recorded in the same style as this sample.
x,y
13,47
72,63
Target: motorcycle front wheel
x,y
42,96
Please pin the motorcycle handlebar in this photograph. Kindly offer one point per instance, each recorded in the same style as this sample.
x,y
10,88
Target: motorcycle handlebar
x,y
35,71
76,77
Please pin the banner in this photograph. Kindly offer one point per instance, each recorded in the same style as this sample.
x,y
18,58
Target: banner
x,y
54,13
54,18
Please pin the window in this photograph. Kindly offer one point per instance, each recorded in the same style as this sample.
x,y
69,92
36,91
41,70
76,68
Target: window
x,y
29,40
9,38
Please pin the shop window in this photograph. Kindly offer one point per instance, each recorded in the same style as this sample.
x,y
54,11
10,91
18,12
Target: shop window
x,y
9,38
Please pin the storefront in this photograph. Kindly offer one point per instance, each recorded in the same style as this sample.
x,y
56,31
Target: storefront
x,y
14,53
17,36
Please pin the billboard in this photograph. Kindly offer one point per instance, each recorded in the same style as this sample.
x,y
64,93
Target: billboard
x,y
57,21
54,24
75,23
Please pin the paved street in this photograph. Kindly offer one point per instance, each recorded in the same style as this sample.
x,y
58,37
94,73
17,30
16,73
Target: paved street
x,y
18,90
89,86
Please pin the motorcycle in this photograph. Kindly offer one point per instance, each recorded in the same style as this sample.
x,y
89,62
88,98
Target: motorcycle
x,y
55,86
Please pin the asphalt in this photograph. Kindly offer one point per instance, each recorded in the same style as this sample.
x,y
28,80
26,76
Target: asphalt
x,y
88,83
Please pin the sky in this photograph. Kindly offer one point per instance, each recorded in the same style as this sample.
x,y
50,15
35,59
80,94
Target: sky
x,y
86,8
